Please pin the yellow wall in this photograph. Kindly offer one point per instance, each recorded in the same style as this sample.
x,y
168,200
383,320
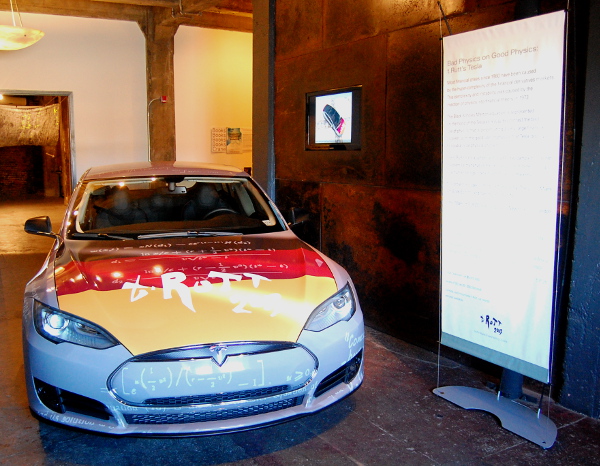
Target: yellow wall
x,y
213,88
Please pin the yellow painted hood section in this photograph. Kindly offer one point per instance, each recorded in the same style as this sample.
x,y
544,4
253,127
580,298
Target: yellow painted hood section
x,y
173,300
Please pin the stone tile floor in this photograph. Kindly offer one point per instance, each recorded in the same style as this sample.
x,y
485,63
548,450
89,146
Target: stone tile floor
x,y
393,419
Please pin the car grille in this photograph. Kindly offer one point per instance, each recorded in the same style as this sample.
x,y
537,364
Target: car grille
x,y
220,415
217,398
213,374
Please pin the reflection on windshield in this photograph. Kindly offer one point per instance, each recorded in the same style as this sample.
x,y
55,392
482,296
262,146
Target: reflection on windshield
x,y
153,205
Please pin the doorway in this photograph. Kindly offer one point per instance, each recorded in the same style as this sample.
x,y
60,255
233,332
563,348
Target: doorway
x,y
35,151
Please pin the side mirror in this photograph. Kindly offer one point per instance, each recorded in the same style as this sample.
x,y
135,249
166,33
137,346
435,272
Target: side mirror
x,y
40,226
296,216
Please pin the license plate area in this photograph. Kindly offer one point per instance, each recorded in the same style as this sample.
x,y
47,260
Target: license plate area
x,y
161,381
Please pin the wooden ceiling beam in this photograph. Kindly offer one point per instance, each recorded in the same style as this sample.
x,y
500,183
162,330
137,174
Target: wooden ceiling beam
x,y
160,3
187,6
234,15
192,7
237,6
218,21
81,8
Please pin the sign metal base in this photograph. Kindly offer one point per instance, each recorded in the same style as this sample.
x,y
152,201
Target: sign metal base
x,y
513,416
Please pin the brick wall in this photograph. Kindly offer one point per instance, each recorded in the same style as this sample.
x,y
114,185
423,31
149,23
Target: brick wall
x,y
21,172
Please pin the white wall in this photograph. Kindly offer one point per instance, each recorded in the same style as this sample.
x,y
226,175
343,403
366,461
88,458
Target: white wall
x,y
103,64
213,88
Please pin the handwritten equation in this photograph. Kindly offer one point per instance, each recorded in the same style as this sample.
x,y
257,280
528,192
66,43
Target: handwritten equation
x,y
138,381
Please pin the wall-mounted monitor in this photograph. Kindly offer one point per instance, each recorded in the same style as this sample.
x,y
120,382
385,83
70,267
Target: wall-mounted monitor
x,y
333,119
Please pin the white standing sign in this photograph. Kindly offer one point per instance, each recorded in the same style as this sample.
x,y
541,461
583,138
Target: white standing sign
x,y
502,113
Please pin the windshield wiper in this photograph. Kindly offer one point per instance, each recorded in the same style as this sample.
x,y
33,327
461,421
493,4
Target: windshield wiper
x,y
98,236
187,234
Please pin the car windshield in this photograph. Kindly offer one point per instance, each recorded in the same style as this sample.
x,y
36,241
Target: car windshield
x,y
171,206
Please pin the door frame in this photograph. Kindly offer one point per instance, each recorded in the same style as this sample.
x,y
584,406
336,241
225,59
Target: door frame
x,y
68,165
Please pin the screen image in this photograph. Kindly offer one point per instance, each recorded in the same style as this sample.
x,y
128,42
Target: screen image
x,y
333,118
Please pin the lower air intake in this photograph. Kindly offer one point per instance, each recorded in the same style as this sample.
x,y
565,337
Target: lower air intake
x,y
217,398
221,415
344,374
63,401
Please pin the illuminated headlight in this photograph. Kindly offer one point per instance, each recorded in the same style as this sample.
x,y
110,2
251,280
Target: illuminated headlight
x,y
333,310
58,326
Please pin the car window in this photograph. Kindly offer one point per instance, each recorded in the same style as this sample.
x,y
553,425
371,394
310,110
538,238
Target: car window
x,y
139,206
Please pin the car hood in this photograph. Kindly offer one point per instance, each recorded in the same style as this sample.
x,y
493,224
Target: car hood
x,y
157,294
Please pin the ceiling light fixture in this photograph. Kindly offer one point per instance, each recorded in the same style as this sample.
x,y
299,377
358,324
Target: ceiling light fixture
x,y
17,37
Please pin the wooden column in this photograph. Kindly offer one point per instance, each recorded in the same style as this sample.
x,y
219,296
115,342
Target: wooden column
x,y
159,30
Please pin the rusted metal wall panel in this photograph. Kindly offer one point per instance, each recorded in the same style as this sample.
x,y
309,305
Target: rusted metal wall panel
x,y
375,210
388,239
332,68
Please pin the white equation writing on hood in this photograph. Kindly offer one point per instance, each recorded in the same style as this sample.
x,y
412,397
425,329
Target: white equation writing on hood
x,y
174,282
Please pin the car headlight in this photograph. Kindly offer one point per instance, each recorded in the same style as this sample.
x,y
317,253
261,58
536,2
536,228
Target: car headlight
x,y
338,307
58,326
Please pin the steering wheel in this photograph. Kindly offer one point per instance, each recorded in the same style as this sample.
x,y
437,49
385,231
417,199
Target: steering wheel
x,y
219,211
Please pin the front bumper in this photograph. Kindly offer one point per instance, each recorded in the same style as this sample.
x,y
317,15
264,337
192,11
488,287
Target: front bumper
x,y
92,389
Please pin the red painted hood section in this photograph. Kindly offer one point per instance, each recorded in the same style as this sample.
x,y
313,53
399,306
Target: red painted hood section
x,y
109,265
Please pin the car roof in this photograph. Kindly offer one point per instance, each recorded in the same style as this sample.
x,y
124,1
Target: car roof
x,y
135,169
